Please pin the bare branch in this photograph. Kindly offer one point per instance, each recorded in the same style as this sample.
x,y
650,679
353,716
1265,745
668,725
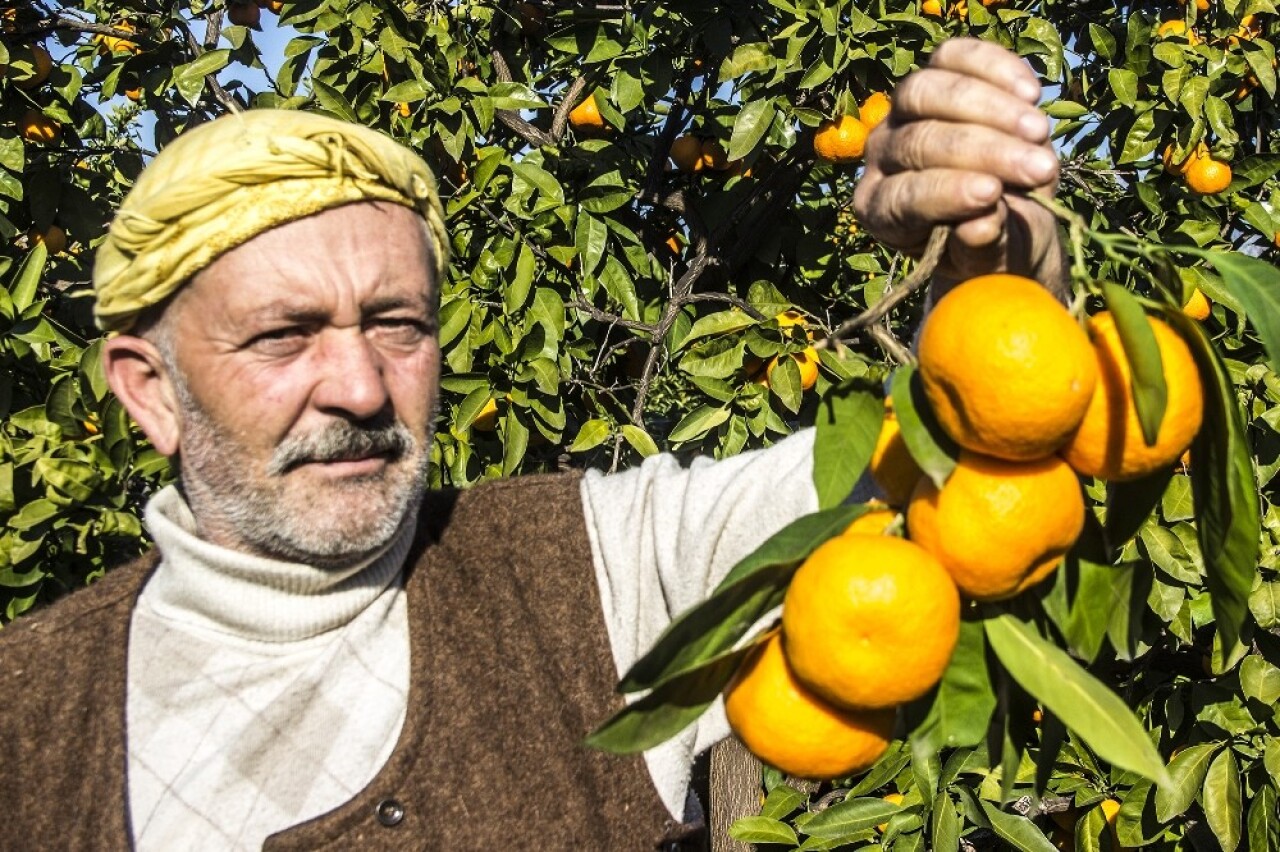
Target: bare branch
x,y
604,316
535,136
560,119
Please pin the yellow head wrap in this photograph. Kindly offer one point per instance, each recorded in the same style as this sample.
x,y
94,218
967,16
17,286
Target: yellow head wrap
x,y
224,182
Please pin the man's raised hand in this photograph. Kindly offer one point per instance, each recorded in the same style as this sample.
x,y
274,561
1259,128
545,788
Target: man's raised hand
x,y
963,145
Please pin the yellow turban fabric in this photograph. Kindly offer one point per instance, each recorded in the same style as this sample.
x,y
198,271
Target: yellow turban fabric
x,y
222,183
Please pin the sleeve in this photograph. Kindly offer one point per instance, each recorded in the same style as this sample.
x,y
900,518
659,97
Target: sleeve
x,y
662,537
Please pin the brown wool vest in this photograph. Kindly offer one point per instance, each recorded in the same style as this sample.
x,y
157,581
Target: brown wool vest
x,y
510,669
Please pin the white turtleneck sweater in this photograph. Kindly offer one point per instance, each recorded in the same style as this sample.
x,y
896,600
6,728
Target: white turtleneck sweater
x,y
263,693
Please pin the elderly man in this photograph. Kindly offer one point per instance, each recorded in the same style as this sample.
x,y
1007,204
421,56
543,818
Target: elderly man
x,y
318,654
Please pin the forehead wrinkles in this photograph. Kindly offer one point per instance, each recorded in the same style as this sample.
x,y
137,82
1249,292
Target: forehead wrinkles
x,y
372,246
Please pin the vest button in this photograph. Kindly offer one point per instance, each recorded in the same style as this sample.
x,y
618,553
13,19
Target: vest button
x,y
389,812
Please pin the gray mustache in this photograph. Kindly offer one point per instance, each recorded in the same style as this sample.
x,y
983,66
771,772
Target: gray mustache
x,y
341,441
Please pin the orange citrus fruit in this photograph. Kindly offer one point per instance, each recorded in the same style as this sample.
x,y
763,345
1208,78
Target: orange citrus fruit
x,y
840,140
931,7
892,466
874,109
1109,442
486,420
586,116
113,44
807,361
1179,167
244,14
1207,176
1197,307
714,156
791,729
54,238
870,621
998,527
35,126
41,65
686,153
893,799
1006,369
874,522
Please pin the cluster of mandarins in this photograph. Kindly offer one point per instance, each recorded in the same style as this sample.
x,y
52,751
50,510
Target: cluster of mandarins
x,y
843,139
1202,172
870,619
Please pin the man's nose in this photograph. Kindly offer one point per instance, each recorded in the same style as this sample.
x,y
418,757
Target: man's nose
x,y
351,381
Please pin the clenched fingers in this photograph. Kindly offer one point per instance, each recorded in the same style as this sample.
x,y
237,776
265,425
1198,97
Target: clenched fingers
x,y
902,208
931,144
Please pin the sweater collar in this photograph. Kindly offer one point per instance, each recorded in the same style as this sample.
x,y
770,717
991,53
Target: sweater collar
x,y
253,597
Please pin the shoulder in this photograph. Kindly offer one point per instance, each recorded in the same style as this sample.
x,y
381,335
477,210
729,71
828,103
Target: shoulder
x,y
94,611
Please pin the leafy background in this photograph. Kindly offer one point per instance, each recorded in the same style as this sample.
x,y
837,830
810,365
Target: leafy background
x,y
601,343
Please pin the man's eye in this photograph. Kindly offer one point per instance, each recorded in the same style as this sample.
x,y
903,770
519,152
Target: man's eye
x,y
278,339
401,329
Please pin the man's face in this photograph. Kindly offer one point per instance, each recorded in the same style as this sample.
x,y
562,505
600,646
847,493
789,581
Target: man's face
x,y
308,365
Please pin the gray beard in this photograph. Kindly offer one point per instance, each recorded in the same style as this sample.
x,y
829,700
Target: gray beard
x,y
251,508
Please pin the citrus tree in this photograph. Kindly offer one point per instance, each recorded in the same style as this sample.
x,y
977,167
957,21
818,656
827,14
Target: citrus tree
x,y
655,249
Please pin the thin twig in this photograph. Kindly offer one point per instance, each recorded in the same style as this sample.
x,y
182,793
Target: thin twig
x,y
914,281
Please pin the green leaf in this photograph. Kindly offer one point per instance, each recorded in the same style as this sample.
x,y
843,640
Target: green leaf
x,y
932,449
782,801
849,817
1260,680
1256,285
331,100
410,91
1187,772
1081,600
784,382
754,586
895,759
1146,373
639,440
1124,84
1264,603
592,434
1018,831
1264,827
515,440
751,125
515,96
1176,504
516,293
721,322
698,422
205,64
761,829
620,287
1086,706
1221,800
958,711
27,280
669,708
850,417
947,824
1130,503
1222,483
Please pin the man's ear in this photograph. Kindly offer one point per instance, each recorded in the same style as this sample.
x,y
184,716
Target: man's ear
x,y
137,375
